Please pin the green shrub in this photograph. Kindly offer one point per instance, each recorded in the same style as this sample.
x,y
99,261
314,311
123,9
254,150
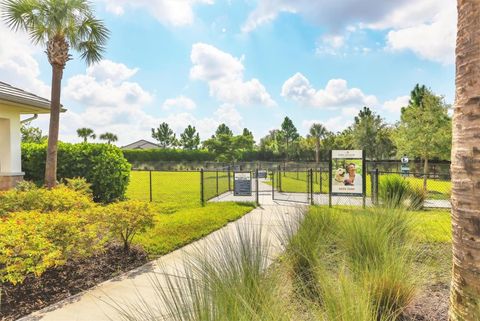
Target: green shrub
x,y
32,242
167,154
102,165
125,219
60,198
79,184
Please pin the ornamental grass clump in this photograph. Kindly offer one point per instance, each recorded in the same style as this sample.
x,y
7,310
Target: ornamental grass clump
x,y
397,192
225,280
353,264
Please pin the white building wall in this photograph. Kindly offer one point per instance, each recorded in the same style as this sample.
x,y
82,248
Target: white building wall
x,y
10,141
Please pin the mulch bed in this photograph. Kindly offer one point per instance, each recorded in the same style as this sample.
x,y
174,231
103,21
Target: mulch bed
x,y
64,281
430,305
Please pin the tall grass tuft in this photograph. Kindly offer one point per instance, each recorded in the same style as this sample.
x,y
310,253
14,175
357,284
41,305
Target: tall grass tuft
x,y
396,192
308,247
355,265
226,280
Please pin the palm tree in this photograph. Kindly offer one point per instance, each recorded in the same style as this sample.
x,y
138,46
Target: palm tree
x,y
465,168
86,133
318,132
58,25
109,137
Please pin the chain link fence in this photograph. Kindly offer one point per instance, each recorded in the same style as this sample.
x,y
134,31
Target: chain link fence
x,y
281,183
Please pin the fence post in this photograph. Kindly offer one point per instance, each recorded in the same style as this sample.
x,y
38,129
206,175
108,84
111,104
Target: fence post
x,y
217,181
151,196
202,191
273,184
279,178
330,180
229,178
256,188
311,186
377,178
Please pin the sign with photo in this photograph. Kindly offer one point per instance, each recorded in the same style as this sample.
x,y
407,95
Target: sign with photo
x,y
242,184
347,173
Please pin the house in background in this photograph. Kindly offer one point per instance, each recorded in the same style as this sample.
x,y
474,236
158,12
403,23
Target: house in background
x,y
15,102
141,144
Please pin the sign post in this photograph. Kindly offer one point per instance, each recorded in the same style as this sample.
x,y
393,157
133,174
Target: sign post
x,y
242,184
347,174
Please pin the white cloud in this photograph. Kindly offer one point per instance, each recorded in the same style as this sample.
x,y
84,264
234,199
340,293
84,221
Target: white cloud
x,y
109,70
224,75
180,102
229,115
330,44
18,65
426,27
394,106
336,94
336,123
120,107
168,12
332,14
433,40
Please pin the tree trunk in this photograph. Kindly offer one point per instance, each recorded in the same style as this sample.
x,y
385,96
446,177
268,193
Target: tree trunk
x,y
317,151
425,173
286,151
465,168
51,163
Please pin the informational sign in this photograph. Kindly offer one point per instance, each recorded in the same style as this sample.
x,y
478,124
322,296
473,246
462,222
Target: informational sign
x,y
405,169
262,174
347,173
242,184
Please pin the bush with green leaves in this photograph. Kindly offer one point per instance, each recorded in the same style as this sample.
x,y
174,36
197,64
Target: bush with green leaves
x,y
102,165
32,242
397,192
126,219
61,198
167,154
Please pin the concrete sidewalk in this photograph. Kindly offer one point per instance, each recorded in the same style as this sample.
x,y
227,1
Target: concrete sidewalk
x,y
93,304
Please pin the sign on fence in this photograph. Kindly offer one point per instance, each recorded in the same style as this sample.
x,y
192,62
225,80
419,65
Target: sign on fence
x,y
347,172
262,173
242,183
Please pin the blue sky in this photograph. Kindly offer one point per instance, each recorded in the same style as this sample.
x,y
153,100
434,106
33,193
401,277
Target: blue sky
x,y
248,63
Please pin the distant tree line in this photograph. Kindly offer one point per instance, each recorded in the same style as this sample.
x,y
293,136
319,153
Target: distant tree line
x,y
423,132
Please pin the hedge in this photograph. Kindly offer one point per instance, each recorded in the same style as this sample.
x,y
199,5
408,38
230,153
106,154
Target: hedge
x,y
102,165
167,154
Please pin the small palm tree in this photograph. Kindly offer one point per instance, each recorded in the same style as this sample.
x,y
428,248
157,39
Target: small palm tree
x,y
318,132
58,25
86,133
109,137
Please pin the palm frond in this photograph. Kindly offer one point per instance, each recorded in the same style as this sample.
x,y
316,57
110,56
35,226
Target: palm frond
x,y
71,20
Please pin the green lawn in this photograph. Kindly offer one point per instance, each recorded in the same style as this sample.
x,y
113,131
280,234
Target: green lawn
x,y
429,226
172,231
181,219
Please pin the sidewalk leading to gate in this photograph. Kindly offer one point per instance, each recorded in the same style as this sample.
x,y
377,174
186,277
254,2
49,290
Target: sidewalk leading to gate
x,y
96,303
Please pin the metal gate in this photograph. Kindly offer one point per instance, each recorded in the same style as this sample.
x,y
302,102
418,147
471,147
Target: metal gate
x,y
293,184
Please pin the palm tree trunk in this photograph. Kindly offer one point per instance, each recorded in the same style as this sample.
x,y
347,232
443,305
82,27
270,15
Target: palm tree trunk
x,y
51,163
317,151
465,168
425,173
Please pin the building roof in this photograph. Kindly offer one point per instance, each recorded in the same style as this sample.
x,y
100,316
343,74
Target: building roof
x,y
27,102
141,144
